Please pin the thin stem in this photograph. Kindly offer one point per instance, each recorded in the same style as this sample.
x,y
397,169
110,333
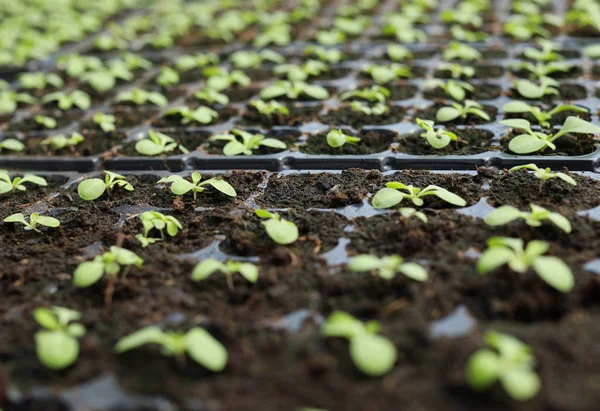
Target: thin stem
x,y
229,281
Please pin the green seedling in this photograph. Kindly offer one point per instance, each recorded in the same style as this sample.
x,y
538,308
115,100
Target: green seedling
x,y
249,142
351,26
506,214
542,70
140,97
10,100
106,78
398,52
374,355
459,51
135,61
219,79
64,101
374,94
295,72
457,70
11,144
212,96
330,37
202,347
391,195
529,89
45,121
155,220
525,26
35,219
403,29
270,108
56,344
439,138
535,141
592,51
470,36
93,188
75,65
544,174
208,267
336,138
364,108
109,263
105,121
202,114
505,250
279,34
409,212
167,77
244,60
454,88
382,74
388,267
61,141
40,80
542,116
547,53
181,186
279,229
293,90
158,143
457,110
511,362
466,14
189,62
329,56
18,183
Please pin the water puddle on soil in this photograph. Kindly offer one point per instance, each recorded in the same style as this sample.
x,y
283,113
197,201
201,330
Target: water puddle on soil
x,y
457,324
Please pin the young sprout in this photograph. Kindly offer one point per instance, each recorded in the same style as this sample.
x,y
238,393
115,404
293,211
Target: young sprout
x,y
547,53
45,121
374,355
544,174
529,89
336,138
18,183
181,186
439,138
457,110
268,108
505,214
330,56
61,141
208,267
511,362
109,263
398,52
249,142
537,141
219,79
244,60
158,143
105,121
202,114
454,88
189,62
40,80
140,97
374,94
92,188
65,101
540,115
159,221
293,90
382,74
505,250
542,70
35,219
362,107
197,342
459,51
10,100
295,72
403,29
212,96
388,267
279,229
390,195
167,77
457,70
56,344
409,212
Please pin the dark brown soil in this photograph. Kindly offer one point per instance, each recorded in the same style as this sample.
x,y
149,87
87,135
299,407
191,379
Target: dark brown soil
x,y
471,141
372,141
190,139
430,113
482,71
62,118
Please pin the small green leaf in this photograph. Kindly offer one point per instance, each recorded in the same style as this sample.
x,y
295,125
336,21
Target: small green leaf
x,y
502,215
483,369
249,272
493,258
387,197
364,262
414,271
46,318
451,198
206,268
521,384
91,189
148,148
148,335
526,143
373,354
206,350
281,231
341,324
223,186
88,273
445,114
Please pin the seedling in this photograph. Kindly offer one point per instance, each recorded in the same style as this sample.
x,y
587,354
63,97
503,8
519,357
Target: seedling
x,y
189,62
105,121
61,141
384,74
10,100
212,96
403,29
40,80
535,141
56,344
409,212
457,110
336,138
35,219
454,88
210,266
540,115
351,26
592,51
158,143
140,97
374,355
219,79
439,138
457,70
181,186
202,114
279,34
547,53
109,263
504,250
65,101
167,77
528,89
544,174
45,121
470,36
92,188
388,267
197,342
466,14
279,229
269,108
76,65
106,78
390,195
155,220
512,363
135,61
18,183
244,60
459,51
362,107
397,52
330,56
524,27
505,214
295,72
249,142
374,94
293,90
541,70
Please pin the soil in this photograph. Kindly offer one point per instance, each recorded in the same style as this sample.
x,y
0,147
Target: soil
x,y
372,142
557,120
471,141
